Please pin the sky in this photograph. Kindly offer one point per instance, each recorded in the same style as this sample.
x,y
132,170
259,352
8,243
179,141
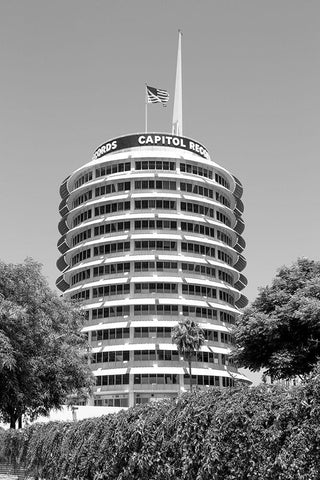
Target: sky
x,y
73,75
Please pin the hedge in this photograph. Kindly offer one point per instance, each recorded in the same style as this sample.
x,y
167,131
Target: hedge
x,y
260,433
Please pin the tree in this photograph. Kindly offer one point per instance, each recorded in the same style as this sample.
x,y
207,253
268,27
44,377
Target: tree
x,y
280,331
189,338
43,356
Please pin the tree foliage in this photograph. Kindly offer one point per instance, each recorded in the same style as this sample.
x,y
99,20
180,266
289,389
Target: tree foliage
x,y
259,433
189,338
280,332
42,353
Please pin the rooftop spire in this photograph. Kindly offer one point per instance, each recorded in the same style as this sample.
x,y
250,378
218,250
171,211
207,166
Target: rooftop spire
x,y
177,106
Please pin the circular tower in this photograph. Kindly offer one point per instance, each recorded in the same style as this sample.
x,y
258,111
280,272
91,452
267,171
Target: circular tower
x,y
151,235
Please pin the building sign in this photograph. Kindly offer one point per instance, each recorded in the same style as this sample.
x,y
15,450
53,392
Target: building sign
x,y
150,139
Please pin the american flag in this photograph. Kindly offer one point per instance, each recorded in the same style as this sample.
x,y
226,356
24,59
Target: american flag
x,y
156,95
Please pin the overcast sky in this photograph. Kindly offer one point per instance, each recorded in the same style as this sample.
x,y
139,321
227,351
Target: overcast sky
x,y
73,75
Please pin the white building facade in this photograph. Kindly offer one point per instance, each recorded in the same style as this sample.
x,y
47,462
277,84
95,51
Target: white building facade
x,y
151,235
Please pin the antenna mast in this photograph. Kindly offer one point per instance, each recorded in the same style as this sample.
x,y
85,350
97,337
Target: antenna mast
x,y
177,106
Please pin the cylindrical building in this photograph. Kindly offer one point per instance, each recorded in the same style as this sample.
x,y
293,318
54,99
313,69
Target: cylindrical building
x,y
151,235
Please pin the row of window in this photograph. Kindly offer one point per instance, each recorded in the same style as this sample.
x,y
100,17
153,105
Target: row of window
x,y
81,237
114,247
109,169
112,268
152,332
199,290
116,227
148,204
153,355
112,188
155,165
191,207
205,192
203,172
82,199
117,187
112,228
152,184
116,401
82,217
83,179
171,310
148,266
151,245
167,245
155,224
154,287
111,208
110,290
198,249
110,334
158,204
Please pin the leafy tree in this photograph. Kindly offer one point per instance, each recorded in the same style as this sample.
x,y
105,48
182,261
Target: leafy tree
x,y
280,331
43,356
189,338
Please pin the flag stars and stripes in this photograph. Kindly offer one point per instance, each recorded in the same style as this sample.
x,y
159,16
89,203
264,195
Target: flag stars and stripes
x,y
156,95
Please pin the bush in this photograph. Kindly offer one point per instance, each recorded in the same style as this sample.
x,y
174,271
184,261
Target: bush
x,y
260,433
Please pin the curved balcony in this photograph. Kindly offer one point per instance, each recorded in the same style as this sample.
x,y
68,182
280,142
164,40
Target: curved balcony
x,y
63,226
61,264
239,226
64,192
241,264
62,245
63,207
242,302
241,283
239,206
240,245
238,191
62,284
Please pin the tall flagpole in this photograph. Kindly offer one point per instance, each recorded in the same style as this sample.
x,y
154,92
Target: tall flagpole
x,y
177,107
146,108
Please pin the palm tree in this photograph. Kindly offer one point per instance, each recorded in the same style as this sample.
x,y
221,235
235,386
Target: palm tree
x,y
189,338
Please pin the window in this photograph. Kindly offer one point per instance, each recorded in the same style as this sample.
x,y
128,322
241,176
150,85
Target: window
x,y
155,245
155,310
112,228
110,290
149,379
81,256
155,165
82,217
158,204
146,288
83,179
82,199
81,237
197,228
109,334
111,269
110,168
112,380
199,290
200,312
198,249
111,208
111,248
79,277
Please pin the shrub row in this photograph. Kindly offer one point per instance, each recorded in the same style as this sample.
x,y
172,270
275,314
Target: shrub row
x,y
260,433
